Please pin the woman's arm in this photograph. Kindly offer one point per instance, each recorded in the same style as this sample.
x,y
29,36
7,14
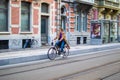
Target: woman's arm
x,y
57,36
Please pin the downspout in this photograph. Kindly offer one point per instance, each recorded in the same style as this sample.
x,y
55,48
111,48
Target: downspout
x,y
118,37
69,23
58,14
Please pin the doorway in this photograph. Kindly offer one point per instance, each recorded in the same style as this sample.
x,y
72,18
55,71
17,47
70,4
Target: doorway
x,y
106,32
110,32
44,30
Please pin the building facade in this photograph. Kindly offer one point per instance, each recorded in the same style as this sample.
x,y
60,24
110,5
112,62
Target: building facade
x,y
74,18
105,21
22,20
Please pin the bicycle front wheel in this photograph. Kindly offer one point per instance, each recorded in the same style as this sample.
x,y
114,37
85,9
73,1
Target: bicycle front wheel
x,y
52,53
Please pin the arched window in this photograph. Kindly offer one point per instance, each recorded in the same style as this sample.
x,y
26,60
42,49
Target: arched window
x,y
45,8
3,15
78,19
63,18
63,10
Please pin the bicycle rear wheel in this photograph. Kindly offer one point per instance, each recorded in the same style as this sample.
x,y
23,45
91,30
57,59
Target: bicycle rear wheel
x,y
52,53
66,52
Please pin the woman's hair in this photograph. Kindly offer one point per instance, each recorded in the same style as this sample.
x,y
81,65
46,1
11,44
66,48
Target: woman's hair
x,y
61,29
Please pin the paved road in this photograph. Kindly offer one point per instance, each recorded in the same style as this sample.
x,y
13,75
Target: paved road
x,y
91,66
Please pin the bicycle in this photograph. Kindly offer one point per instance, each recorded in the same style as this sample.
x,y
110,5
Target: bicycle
x,y
33,42
30,43
55,50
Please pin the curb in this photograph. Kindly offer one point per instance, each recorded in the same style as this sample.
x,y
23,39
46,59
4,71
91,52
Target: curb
x,y
18,60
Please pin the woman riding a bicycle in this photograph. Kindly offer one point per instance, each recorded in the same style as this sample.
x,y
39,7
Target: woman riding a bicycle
x,y
59,46
61,40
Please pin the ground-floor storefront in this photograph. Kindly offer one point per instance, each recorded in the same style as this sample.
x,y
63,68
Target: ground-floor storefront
x,y
104,31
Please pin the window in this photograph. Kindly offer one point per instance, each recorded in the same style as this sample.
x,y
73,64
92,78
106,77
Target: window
x,y
81,21
63,18
84,21
45,8
25,16
63,22
78,23
3,15
63,10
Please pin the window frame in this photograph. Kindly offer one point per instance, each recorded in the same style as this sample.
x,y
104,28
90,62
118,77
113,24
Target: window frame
x,y
7,9
78,21
84,23
30,20
42,11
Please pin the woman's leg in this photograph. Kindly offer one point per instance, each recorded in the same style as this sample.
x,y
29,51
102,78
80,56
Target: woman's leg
x,y
62,45
57,43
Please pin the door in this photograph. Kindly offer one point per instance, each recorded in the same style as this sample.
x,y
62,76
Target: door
x,y
44,30
106,32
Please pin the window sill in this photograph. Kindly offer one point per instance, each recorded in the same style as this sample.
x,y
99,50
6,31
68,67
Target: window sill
x,y
25,32
4,33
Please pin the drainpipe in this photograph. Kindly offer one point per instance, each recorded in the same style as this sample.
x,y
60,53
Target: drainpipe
x,y
58,14
69,23
118,37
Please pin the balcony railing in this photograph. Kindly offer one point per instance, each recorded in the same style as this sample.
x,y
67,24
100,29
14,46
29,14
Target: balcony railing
x,y
108,3
87,1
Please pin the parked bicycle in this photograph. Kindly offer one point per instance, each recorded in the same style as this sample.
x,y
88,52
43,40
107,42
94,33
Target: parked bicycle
x,y
33,42
54,51
30,42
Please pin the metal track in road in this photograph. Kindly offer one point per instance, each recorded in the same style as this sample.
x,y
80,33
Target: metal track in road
x,y
112,75
89,71
49,64
59,61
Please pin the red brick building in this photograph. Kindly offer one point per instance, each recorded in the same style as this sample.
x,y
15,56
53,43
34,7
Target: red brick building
x,y
19,21
22,20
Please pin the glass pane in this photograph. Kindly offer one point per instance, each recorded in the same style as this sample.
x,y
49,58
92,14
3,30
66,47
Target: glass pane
x,y
3,15
25,6
24,22
25,16
85,23
78,23
113,32
63,22
3,3
45,8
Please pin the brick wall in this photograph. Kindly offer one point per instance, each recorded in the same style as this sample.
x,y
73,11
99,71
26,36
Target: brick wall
x,y
15,17
35,16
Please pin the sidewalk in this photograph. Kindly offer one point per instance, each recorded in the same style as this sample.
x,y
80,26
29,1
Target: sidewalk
x,y
27,55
